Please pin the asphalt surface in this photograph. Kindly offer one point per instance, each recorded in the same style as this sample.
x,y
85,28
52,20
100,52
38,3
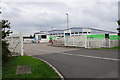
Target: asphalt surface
x,y
77,62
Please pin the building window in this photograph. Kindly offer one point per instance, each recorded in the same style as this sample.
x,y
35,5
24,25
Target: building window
x,y
72,33
107,36
43,36
76,32
67,34
80,32
84,32
59,33
76,35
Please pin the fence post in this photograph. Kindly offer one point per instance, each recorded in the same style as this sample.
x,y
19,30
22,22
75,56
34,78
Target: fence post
x,y
12,43
109,43
21,43
88,43
85,41
64,41
72,40
99,43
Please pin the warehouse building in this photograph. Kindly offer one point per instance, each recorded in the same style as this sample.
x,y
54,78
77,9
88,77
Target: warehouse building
x,y
78,31
45,36
56,34
90,37
42,36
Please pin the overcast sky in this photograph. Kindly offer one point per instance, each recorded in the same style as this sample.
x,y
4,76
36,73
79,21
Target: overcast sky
x,y
30,16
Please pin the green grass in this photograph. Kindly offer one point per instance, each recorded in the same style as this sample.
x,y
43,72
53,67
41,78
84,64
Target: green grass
x,y
39,69
114,48
65,46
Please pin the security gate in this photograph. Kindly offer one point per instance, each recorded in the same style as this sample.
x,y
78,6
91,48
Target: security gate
x,y
79,41
15,44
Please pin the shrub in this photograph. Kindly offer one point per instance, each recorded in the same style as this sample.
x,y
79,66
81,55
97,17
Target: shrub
x,y
5,51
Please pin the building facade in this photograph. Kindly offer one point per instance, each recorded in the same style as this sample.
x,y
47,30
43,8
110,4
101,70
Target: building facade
x,y
41,37
75,31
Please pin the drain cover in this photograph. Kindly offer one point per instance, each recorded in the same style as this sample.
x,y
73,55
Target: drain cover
x,y
23,69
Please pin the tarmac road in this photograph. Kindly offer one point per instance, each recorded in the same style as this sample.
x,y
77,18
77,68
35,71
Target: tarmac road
x,y
77,62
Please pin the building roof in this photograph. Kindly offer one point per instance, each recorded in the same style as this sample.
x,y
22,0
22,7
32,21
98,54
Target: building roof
x,y
56,30
90,28
62,31
41,32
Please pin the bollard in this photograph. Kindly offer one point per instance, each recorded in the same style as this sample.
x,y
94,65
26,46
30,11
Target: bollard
x,y
52,42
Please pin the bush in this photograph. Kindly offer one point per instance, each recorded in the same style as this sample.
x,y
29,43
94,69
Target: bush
x,y
5,52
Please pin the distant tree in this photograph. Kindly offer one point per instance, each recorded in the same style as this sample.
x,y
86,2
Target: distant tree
x,y
30,36
118,22
5,28
34,35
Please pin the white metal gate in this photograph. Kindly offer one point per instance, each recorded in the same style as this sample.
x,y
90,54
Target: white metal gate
x,y
79,41
16,44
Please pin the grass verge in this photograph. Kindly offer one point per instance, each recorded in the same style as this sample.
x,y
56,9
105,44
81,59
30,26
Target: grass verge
x,y
113,48
39,69
65,46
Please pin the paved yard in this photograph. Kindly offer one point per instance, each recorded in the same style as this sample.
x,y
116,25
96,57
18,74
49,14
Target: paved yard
x,y
77,62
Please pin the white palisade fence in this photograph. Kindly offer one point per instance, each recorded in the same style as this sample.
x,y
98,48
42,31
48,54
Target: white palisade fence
x,y
83,41
78,41
16,44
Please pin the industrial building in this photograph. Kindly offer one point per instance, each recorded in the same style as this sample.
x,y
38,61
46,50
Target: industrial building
x,y
45,36
77,31
42,36
90,38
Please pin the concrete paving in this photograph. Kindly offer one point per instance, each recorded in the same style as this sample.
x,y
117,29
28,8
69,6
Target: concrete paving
x,y
72,65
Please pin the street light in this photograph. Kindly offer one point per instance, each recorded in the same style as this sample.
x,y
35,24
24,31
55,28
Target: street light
x,y
67,21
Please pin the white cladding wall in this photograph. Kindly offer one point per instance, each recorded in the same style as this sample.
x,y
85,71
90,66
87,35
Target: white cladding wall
x,y
86,30
83,30
28,41
67,31
42,40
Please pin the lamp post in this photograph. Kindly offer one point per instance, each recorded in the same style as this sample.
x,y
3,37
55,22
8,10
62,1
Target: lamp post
x,y
67,21
40,28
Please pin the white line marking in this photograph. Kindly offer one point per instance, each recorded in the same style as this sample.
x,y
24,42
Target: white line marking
x,y
93,57
82,55
62,78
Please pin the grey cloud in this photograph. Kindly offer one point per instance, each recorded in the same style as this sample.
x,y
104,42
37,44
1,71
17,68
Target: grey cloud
x,y
28,16
12,12
103,11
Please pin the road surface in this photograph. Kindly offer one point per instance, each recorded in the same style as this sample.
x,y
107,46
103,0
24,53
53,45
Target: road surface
x,y
77,62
